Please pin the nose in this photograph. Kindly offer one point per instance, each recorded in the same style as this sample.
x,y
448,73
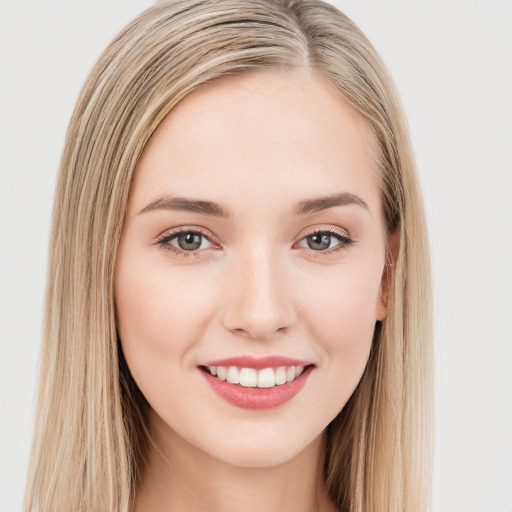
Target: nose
x,y
260,302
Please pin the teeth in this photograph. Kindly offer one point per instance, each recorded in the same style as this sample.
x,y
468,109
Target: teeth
x,y
266,378
281,375
233,375
221,372
249,377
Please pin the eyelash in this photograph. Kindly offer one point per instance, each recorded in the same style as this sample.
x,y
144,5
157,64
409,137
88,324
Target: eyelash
x,y
163,241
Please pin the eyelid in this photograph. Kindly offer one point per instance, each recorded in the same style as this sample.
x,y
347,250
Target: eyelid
x,y
327,229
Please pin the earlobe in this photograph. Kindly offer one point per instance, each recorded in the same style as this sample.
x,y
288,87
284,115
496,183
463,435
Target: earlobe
x,y
387,276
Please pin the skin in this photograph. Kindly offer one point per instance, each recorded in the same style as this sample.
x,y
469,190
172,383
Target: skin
x,y
257,144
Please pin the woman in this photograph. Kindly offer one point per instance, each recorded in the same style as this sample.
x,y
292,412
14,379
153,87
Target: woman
x,y
238,308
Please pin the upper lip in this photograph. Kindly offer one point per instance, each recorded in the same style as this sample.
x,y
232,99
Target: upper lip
x,y
258,362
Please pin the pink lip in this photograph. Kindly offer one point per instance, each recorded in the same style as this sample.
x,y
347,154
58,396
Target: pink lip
x,y
258,363
256,398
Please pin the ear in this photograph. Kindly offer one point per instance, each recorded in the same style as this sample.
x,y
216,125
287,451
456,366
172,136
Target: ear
x,y
381,309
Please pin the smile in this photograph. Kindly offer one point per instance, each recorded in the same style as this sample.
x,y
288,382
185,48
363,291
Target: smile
x,y
250,377
253,389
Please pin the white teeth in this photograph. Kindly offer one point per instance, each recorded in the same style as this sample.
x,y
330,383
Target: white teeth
x,y
281,375
266,378
233,375
250,377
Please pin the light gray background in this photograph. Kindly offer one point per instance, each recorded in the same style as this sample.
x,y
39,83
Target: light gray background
x,y
452,63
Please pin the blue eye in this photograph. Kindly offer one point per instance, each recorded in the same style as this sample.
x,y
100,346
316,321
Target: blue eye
x,y
321,241
187,242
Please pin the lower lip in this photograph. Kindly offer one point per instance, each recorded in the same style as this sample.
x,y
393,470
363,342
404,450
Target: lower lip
x,y
257,398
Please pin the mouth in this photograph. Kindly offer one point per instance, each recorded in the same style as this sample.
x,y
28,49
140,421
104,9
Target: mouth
x,y
256,389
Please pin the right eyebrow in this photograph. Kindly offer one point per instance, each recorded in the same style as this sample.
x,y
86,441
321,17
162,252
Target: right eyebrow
x,y
189,205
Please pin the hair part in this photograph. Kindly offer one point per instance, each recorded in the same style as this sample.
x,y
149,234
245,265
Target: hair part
x,y
90,434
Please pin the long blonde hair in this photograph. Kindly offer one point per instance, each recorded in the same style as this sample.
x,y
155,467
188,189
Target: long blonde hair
x,y
90,431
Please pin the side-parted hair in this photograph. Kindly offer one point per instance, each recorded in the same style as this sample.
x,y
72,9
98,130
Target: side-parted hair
x,y
90,434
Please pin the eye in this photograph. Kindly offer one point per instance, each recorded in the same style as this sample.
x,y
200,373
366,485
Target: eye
x,y
326,241
184,242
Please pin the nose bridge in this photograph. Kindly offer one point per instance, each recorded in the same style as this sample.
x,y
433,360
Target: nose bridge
x,y
260,303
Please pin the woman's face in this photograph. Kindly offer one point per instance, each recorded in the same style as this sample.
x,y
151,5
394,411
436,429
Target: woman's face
x,y
254,228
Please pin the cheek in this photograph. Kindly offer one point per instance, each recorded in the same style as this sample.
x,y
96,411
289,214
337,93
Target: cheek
x,y
343,306
342,317
160,316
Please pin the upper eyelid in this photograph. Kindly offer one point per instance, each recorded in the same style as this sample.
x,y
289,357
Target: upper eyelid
x,y
330,230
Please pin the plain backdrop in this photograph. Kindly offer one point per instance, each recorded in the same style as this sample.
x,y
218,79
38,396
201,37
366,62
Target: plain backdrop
x,y
452,63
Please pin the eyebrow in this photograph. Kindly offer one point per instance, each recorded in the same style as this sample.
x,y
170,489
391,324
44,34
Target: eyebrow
x,y
322,203
211,208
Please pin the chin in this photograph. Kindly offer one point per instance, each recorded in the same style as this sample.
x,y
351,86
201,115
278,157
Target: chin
x,y
246,453
256,458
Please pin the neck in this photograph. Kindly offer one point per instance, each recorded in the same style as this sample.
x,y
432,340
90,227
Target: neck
x,y
178,476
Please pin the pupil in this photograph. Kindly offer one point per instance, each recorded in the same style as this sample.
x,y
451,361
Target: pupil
x,y
191,239
320,241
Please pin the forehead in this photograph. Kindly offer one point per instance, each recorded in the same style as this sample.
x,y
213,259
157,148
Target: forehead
x,y
258,130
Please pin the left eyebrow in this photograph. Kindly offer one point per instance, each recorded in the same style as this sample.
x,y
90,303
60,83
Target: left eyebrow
x,y
322,203
211,208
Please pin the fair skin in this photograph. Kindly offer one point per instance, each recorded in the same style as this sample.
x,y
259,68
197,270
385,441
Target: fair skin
x,y
258,282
